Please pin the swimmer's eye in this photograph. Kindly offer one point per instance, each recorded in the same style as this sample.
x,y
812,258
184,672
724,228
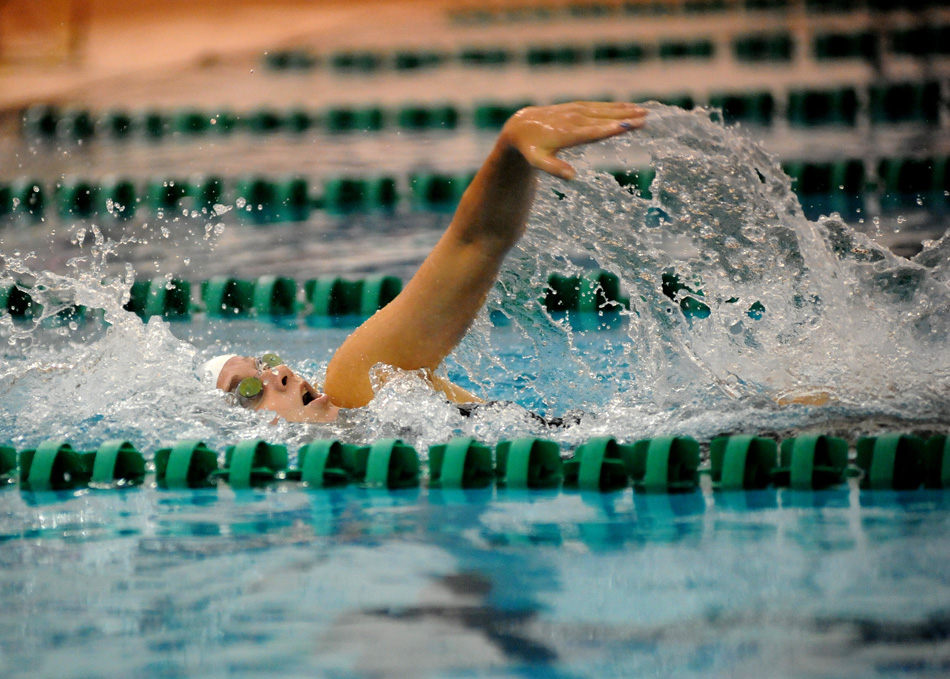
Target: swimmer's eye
x,y
270,361
250,388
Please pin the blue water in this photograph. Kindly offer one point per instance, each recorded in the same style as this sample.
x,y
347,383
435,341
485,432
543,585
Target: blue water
x,y
425,583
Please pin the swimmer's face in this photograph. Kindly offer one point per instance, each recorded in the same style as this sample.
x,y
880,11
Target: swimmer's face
x,y
284,392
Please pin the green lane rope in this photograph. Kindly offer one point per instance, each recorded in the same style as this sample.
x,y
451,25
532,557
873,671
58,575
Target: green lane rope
x,y
529,463
811,462
268,297
840,185
662,465
891,462
888,103
462,463
742,462
597,466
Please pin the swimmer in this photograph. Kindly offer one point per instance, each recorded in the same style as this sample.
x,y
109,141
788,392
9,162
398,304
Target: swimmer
x,y
428,319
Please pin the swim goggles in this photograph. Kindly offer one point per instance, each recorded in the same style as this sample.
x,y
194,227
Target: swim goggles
x,y
248,390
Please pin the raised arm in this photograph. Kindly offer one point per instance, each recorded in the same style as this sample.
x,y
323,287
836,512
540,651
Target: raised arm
x,y
419,328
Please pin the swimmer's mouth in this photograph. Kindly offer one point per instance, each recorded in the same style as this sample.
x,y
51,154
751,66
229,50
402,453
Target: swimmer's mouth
x,y
307,398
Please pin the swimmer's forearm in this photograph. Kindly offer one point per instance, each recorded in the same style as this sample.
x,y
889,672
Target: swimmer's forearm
x,y
494,209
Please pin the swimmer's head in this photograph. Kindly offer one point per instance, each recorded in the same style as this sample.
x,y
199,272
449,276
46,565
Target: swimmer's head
x,y
265,383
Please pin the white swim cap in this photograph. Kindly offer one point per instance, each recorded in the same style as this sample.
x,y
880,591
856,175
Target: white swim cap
x,y
211,370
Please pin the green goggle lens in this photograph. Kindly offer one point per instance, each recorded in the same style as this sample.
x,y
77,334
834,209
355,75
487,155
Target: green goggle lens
x,y
270,361
250,387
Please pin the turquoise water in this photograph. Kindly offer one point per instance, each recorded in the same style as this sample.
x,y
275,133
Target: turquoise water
x,y
488,583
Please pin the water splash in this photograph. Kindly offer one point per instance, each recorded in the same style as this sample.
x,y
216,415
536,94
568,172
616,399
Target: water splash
x,y
846,323
796,313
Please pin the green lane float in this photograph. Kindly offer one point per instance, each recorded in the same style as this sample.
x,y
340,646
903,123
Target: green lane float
x,y
857,45
289,60
274,296
823,107
154,125
891,462
909,182
227,297
76,198
8,463
117,463
492,115
462,463
344,119
937,462
427,118
660,465
6,200
115,124
39,122
332,296
553,55
775,47
75,125
754,107
53,465
165,194
825,187
160,297
742,462
188,121
322,464
921,41
905,102
686,49
224,121
293,199
205,191
432,191
666,464
619,53
388,463
16,301
298,120
253,463
483,56
593,291
528,463
262,121
597,466
255,199
343,195
811,462
29,198
636,181
356,61
412,60
117,197
187,464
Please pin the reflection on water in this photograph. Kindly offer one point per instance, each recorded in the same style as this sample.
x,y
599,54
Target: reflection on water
x,y
482,583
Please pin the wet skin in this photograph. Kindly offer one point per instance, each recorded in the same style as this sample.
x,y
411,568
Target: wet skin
x,y
285,393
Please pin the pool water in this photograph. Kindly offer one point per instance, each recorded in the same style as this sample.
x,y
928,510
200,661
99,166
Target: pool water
x,y
494,583
359,583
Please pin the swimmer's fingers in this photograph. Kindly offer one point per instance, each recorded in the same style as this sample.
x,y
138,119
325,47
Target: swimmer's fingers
x,y
540,132
544,158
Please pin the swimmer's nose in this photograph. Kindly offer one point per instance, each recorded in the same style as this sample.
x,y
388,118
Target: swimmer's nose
x,y
278,378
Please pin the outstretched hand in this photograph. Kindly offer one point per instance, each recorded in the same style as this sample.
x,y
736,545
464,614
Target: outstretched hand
x,y
539,132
